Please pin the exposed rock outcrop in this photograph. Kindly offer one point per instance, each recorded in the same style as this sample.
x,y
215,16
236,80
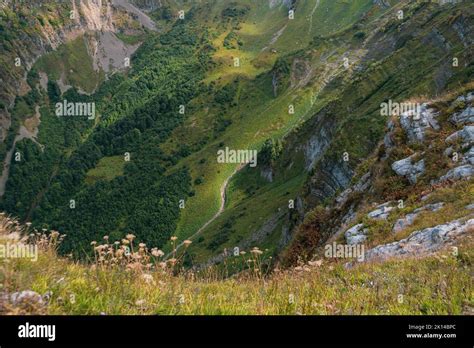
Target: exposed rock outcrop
x,y
267,173
387,140
408,169
404,222
463,117
382,212
422,242
316,146
29,296
408,220
356,234
275,3
466,98
331,177
468,157
416,122
301,73
142,17
361,186
382,3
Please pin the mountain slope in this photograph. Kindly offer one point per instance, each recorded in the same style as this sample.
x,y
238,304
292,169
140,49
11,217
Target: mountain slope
x,y
359,199
305,91
69,170
345,120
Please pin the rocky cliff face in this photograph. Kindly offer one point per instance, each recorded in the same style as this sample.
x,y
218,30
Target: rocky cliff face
x,y
398,210
47,32
31,31
287,3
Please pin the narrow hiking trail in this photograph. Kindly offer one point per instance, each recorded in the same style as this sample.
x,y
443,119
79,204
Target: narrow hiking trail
x,y
311,16
142,17
226,182
223,191
23,133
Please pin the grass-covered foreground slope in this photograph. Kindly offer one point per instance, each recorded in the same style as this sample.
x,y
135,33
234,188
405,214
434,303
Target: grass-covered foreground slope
x,y
439,284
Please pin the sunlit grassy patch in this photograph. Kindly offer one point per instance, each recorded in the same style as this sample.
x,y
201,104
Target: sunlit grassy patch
x,y
107,169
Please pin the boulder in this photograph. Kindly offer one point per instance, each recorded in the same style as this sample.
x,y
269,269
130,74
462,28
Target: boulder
x,y
408,220
356,234
381,213
416,123
449,151
458,173
465,135
421,242
408,169
468,157
463,117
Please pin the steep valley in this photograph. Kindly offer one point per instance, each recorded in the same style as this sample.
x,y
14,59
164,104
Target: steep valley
x,y
301,82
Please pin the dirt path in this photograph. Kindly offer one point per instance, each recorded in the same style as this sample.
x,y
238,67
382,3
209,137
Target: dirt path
x,y
22,134
311,16
143,18
274,38
221,208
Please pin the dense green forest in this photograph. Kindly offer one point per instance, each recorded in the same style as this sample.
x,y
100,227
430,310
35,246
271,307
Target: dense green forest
x,y
138,110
